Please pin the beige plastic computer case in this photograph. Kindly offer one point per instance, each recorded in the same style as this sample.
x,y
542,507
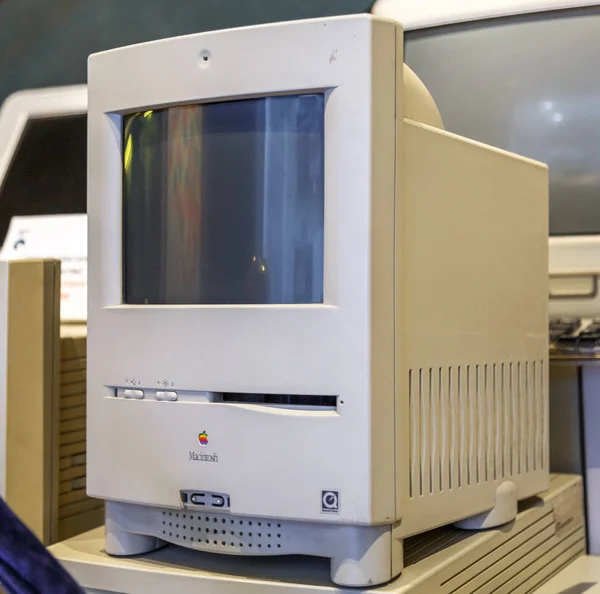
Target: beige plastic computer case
x,y
45,473
428,352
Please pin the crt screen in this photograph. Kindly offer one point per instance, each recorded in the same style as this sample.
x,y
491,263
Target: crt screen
x,y
47,173
525,84
223,203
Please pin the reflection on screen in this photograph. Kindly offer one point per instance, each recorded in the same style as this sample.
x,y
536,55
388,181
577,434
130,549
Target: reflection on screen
x,y
47,173
224,202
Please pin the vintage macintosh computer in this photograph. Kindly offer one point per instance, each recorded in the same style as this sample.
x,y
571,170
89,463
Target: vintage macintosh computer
x,y
43,148
43,171
509,97
312,327
526,86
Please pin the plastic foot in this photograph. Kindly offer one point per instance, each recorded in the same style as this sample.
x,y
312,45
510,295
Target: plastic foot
x,y
120,543
369,557
504,511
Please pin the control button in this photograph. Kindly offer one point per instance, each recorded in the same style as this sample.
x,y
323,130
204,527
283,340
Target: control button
x,y
197,498
133,394
217,501
171,396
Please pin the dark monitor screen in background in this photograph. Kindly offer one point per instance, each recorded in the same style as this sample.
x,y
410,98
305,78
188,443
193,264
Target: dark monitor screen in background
x,y
48,171
530,85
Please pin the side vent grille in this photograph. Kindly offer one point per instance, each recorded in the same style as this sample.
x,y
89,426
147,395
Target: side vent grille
x,y
474,424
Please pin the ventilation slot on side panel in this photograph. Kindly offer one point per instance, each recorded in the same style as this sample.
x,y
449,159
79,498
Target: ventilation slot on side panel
x,y
473,424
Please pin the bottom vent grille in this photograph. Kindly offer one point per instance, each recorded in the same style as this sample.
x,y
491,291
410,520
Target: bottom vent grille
x,y
216,532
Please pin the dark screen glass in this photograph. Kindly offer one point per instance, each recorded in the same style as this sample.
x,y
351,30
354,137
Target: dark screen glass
x,y
526,84
223,203
48,171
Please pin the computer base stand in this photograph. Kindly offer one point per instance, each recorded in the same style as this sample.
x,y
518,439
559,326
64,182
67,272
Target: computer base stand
x,y
505,510
123,544
360,555
547,535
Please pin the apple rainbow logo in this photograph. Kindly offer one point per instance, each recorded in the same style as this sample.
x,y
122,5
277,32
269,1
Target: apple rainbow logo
x,y
203,438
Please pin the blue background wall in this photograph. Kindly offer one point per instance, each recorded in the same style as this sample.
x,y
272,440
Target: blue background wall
x,y
46,42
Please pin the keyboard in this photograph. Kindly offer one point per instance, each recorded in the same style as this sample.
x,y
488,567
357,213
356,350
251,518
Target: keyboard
x,y
574,334
563,327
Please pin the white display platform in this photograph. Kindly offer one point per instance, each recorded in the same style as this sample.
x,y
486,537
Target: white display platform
x,y
177,570
583,575
546,536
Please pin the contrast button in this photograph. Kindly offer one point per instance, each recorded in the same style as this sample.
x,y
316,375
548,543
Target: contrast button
x,y
171,396
138,394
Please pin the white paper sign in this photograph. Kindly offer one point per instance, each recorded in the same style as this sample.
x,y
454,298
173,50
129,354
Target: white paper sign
x,y
63,237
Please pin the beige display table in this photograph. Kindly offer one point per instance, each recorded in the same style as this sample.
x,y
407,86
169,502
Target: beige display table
x,y
581,576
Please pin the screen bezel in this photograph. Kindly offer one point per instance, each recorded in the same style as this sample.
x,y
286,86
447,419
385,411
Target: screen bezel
x,y
349,61
345,84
